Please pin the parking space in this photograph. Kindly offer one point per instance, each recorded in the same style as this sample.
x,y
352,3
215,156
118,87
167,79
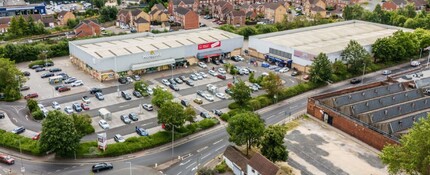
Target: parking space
x,y
7,125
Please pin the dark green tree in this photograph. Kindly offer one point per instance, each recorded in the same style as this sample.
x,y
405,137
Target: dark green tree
x,y
353,12
22,27
245,129
386,49
161,97
241,93
172,114
99,3
72,23
190,114
59,134
32,105
108,14
13,26
10,79
247,31
31,30
356,57
272,83
82,124
228,28
272,144
321,69
266,28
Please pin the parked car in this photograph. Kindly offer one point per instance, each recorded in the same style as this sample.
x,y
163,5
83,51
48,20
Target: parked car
x,y
355,81
26,73
148,107
174,87
39,69
77,107
70,80
86,99
7,159
122,80
415,63
198,101
56,105
77,83
205,115
221,70
129,79
125,95
185,102
24,88
32,95
63,89
294,73
55,70
85,106
386,72
118,138
171,81
200,93
202,65
104,124
216,62
183,78
208,97
306,77
46,75
136,77
125,119
257,85
217,112
193,77
204,75
283,70
36,66
221,96
68,109
178,80
222,77
213,73
133,116
228,91
101,167
165,82
18,130
36,136
189,83
141,131
2,115
100,96
95,90
137,94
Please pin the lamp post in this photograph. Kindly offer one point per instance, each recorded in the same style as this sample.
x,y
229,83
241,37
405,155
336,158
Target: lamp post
x,y
428,57
131,173
173,138
46,56
20,152
116,72
172,69
364,70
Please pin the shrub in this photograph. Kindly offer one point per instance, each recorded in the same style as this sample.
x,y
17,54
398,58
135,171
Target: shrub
x,y
207,123
264,100
222,167
254,104
38,114
225,117
39,62
32,105
10,140
233,105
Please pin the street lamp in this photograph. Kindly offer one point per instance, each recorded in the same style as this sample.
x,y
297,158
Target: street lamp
x,y
172,69
131,173
428,57
364,70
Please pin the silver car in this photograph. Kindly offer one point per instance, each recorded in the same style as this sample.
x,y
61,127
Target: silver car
x,y
56,105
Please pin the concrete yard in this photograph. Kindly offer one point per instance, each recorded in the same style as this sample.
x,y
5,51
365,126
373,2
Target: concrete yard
x,y
316,148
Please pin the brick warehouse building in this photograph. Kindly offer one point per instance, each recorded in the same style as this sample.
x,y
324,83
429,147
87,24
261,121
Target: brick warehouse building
x,y
377,114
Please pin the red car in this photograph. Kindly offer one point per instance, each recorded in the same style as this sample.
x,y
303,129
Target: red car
x,y
33,95
222,77
7,159
63,89
215,20
85,106
36,136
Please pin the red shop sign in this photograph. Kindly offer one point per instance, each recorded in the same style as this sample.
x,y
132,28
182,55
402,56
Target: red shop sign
x,y
209,45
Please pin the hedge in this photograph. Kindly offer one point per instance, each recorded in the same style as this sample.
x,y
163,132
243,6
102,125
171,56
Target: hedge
x,y
39,62
134,144
11,140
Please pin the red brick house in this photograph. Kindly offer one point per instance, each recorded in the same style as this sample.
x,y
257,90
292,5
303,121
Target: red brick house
x,y
220,9
236,18
389,6
189,4
419,4
188,18
87,28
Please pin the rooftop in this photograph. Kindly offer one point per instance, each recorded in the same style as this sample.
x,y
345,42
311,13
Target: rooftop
x,y
109,47
330,38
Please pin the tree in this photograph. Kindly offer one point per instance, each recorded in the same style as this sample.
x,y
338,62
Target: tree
x,y
272,83
82,124
228,28
190,114
385,49
339,68
266,28
31,30
99,3
108,14
72,23
412,155
10,79
408,41
172,114
58,133
241,93
23,26
272,144
161,96
247,31
353,12
245,129
321,69
356,57
13,26
32,105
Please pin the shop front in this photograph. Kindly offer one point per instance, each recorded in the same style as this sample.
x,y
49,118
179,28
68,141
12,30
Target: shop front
x,y
278,61
210,55
153,66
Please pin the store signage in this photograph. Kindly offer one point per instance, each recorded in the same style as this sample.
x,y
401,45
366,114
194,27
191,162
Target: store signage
x,y
151,54
209,45
102,141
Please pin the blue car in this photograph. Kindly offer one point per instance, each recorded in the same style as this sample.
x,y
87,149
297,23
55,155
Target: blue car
x,y
264,64
141,131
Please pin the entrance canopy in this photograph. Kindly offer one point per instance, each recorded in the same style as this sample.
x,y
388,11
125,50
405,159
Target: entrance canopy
x,y
152,64
209,54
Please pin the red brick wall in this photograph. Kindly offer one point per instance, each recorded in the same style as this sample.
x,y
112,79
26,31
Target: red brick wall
x,y
350,127
191,20
86,31
96,28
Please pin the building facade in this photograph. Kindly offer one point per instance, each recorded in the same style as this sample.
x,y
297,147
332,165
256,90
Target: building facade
x,y
143,53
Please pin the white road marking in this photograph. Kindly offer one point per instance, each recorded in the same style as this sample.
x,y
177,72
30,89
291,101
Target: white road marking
x,y
183,163
186,156
179,173
26,117
147,123
194,169
218,141
292,81
190,165
123,106
281,112
15,119
201,149
73,166
219,148
205,156
270,116
295,106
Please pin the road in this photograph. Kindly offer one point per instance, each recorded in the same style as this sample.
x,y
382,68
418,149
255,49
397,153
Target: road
x,y
196,152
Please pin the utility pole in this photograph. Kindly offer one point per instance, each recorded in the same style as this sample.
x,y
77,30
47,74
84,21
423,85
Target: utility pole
x,y
428,57
364,71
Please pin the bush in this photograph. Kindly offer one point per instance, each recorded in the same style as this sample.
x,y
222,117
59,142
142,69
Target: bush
x,y
225,117
233,105
39,62
222,167
10,140
32,105
254,104
264,100
38,115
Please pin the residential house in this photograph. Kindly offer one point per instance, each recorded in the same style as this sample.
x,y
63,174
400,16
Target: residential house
x,y
128,17
142,25
46,20
260,165
235,160
394,4
259,8
236,18
251,15
309,6
275,12
191,4
158,15
419,4
123,17
187,17
220,9
158,7
87,28
318,11
64,16
4,24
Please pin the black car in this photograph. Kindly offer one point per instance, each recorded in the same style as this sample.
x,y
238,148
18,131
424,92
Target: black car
x,y
200,93
133,116
355,81
228,91
122,80
101,167
189,83
46,75
222,61
216,62
137,94
18,130
36,66
171,81
1,115
174,87
24,88
186,103
205,115
49,64
26,73
40,69
95,90
178,80
183,78
55,70
217,112
125,95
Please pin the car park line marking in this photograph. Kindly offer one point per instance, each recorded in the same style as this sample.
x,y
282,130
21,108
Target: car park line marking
x,y
73,167
194,169
26,117
201,149
292,107
186,156
179,173
183,163
271,116
123,106
205,156
292,81
57,170
218,141
281,112
190,165
148,123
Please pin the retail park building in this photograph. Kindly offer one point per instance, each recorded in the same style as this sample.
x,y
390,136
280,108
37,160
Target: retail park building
x,y
301,45
142,53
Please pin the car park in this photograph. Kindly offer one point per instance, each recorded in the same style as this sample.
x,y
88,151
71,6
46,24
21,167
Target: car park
x,y
18,130
118,138
174,87
24,88
217,112
165,82
141,131
198,101
26,73
85,106
101,167
125,95
125,119
133,116
7,159
104,124
189,83
205,115
221,70
32,95
137,94
63,89
221,96
68,109
56,105
355,81
193,77
147,107
77,107
55,70
222,77
386,72
86,99
70,80
99,96
178,80
136,77
46,75
202,65
95,90
122,80
172,81
39,69
213,73
77,83
36,136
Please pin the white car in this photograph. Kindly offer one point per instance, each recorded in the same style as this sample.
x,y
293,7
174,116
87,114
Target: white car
x,y
240,58
283,70
130,80
165,82
203,74
119,138
202,65
68,109
221,95
213,73
86,99
415,63
104,124
41,107
221,70
208,97
200,77
265,74
77,83
56,105
386,72
149,91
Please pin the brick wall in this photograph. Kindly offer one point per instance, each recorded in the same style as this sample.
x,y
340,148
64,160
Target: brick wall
x,y
191,21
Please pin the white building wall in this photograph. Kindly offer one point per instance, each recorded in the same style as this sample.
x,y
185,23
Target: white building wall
x,y
251,171
230,164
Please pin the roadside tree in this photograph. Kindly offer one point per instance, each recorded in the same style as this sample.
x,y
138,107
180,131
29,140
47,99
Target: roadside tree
x,y
241,93
58,134
190,114
161,96
272,83
82,124
32,105
412,155
321,69
247,31
272,144
408,41
385,49
356,57
172,114
108,14
245,129
10,79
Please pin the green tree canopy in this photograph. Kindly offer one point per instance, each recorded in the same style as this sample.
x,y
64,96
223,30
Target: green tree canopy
x,y
82,124
356,57
99,3
321,69
171,113
228,28
272,144
407,41
58,133
108,14
412,156
247,31
161,96
241,93
10,79
190,114
272,83
245,129
262,28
